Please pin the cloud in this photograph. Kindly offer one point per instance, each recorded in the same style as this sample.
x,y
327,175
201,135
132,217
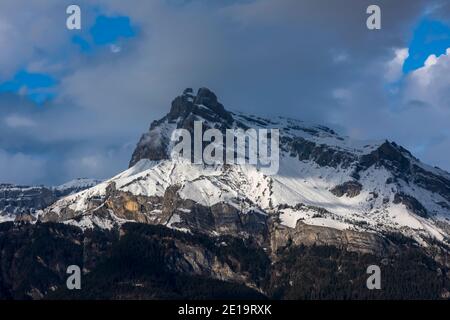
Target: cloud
x,y
416,114
19,42
21,168
115,48
430,37
430,83
16,121
395,66
342,94
313,60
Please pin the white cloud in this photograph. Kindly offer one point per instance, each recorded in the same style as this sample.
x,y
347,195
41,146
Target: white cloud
x,y
91,162
17,121
430,84
431,61
97,163
29,30
340,57
115,48
394,68
342,94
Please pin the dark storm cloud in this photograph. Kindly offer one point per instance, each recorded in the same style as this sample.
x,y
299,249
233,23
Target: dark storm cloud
x,y
313,60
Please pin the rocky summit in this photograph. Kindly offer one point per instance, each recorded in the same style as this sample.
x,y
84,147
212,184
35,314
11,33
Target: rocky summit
x,y
335,199
325,180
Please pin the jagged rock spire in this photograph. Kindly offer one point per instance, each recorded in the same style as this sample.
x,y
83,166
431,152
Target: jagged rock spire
x,y
185,109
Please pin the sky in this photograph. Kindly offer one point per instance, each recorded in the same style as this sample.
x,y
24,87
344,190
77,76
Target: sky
x,y
73,103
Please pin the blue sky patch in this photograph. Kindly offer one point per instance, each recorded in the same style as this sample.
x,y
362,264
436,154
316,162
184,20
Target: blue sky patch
x,y
37,85
107,30
430,37
28,79
84,45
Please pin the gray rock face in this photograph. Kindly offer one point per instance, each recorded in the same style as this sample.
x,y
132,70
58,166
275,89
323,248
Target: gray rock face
x,y
24,201
185,109
404,166
152,145
208,99
438,183
321,154
389,155
411,203
172,211
18,200
308,235
350,188
225,220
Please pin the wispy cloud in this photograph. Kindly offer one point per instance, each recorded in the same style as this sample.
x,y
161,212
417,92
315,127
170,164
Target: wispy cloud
x,y
16,121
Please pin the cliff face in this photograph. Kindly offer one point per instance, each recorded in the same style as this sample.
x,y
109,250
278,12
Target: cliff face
x,y
21,200
23,203
140,261
185,109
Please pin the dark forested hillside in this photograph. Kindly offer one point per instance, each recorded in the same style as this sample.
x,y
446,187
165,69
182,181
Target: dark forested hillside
x,y
153,262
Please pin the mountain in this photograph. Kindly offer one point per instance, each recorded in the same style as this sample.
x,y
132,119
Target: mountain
x,y
168,228
25,202
75,186
324,180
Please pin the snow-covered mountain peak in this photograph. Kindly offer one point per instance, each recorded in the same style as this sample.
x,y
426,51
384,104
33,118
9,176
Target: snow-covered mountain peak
x,y
324,179
76,185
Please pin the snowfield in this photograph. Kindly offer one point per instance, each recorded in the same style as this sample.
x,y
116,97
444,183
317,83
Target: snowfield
x,y
297,183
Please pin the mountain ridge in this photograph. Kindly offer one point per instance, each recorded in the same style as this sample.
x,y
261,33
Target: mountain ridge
x,y
23,203
166,226
324,180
